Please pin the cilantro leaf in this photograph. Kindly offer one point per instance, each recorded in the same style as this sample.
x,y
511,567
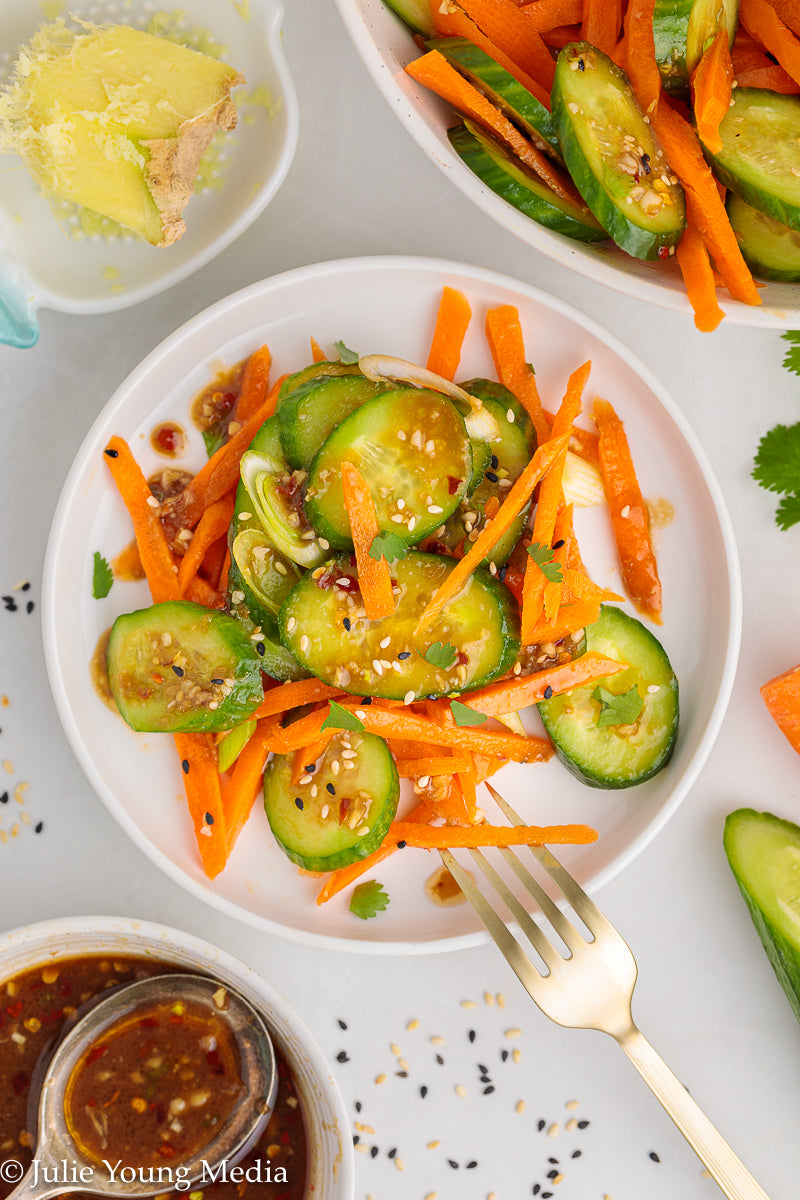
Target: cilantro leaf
x,y
368,899
543,557
346,355
102,577
341,718
788,512
439,655
462,715
387,545
777,464
792,357
622,709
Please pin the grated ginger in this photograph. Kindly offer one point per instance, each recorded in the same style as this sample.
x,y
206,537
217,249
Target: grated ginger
x,y
116,120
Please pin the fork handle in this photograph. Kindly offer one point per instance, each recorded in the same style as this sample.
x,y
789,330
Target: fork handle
x,y
705,1139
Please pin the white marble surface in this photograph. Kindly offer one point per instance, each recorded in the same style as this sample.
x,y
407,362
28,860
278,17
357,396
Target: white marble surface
x,y
706,996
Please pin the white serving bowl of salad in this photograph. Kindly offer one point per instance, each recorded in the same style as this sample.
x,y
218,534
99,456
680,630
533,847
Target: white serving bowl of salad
x,y
66,944
386,45
388,305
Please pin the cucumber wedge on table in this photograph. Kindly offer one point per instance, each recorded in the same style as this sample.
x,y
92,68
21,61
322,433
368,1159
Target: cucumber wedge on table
x,y
770,249
617,755
759,159
612,154
681,31
334,817
510,179
764,855
504,91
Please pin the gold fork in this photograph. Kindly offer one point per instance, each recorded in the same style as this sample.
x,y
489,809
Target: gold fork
x,y
592,989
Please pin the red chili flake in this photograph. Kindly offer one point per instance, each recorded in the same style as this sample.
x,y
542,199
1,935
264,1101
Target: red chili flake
x,y
53,1016
91,1102
215,1062
344,808
663,252
149,1023
166,1151
156,676
284,1138
453,484
15,1009
462,659
20,1082
95,1053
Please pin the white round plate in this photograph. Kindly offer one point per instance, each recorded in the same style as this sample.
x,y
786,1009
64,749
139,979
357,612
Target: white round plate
x,y
41,264
385,45
388,305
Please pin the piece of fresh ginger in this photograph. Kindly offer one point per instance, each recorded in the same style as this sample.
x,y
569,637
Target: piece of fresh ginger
x,y
117,120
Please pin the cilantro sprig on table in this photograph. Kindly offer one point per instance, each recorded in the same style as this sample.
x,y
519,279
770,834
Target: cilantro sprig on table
x,y
777,461
368,899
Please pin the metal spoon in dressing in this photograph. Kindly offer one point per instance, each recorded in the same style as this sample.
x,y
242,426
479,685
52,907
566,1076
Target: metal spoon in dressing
x,y
79,1133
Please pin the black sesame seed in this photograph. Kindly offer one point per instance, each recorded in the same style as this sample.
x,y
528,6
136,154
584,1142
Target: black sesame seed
x,y
10,603
583,1124
576,1154
581,65
472,1163
342,1024
485,1078
401,1074
492,477
29,607
554,1161
654,1156
185,766
645,161
343,1056
471,1035
504,1056
546,1195
558,545
404,654
330,788
373,1150
311,768
423,1091
402,845
357,1106
356,1139
209,820
4,798
178,671
453,1163
112,453
260,647
346,623
501,574
483,1070
495,462
391,1153
217,681
366,699
440,1060
552,1174
548,692
38,827
540,1125
537,1187
487,1091
298,803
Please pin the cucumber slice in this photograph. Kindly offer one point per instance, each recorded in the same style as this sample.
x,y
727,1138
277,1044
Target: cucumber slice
x,y
504,91
275,499
411,446
311,412
264,576
770,249
177,667
512,181
336,817
416,13
759,155
681,31
617,756
612,154
322,623
764,855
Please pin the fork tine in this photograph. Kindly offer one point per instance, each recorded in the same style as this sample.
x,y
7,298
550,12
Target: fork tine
x,y
563,927
534,934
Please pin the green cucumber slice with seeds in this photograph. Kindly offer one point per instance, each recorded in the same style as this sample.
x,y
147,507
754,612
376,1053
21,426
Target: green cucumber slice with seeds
x,y
759,160
322,624
681,31
274,496
617,755
505,92
264,575
510,179
412,447
770,249
764,855
178,667
310,413
612,154
335,817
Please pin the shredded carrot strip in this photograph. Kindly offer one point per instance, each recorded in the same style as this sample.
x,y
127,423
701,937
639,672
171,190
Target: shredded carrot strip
x,y
513,32
601,23
399,722
212,525
711,88
763,23
504,336
510,695
563,537
789,13
641,65
452,322
255,382
199,764
454,22
317,353
154,552
374,576
242,788
286,696
418,768
545,15
771,78
200,591
429,837
572,616
698,275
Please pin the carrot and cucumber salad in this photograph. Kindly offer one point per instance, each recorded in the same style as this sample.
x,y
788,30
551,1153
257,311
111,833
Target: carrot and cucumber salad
x,y
374,574
671,127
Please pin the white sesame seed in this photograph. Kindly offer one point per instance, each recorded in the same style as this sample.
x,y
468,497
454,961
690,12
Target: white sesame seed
x,y
653,688
424,780
626,511
237,597
384,643
151,500
290,624
411,524
324,544
376,666
362,716
304,643
409,697
435,509
401,503
326,808
430,446
363,831
349,753
304,779
280,568
401,437
510,416
245,516
460,1090
397,518
335,766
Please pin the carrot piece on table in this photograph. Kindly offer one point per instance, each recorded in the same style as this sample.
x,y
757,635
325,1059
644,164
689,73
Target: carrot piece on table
x,y
442,837
504,337
628,513
601,23
545,15
698,275
452,21
510,695
255,382
434,71
290,695
518,495
711,88
374,576
154,552
212,525
551,495
514,33
452,322
199,766
782,697
763,23
641,66
685,157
